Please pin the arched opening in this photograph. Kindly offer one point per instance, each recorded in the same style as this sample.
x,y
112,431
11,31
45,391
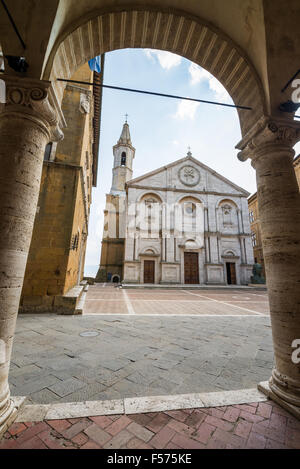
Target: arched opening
x,y
188,32
179,32
170,31
123,159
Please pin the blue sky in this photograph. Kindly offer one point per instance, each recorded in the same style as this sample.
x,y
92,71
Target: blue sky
x,y
162,128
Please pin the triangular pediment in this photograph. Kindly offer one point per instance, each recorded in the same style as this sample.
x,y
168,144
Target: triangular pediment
x,y
187,173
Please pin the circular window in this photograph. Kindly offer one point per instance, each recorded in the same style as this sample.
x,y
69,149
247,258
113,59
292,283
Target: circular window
x,y
189,208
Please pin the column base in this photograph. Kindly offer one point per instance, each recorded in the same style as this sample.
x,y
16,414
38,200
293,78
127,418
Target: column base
x,y
264,387
16,403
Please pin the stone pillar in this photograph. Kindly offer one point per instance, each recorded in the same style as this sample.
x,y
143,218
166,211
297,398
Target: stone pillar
x,y
27,123
271,149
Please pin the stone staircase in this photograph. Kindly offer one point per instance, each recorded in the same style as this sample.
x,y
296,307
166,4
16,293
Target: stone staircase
x,y
73,301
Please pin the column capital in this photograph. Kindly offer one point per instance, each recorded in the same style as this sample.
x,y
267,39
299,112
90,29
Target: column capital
x,y
267,136
36,100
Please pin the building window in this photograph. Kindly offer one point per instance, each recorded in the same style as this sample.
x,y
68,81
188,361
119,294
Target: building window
x,y
189,217
48,150
227,213
123,159
251,216
254,240
74,242
190,208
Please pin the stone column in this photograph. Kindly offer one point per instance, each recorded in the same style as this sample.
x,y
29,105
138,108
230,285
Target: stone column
x,y
27,123
271,149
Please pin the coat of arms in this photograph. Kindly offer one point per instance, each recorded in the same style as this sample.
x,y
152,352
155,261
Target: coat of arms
x,y
189,175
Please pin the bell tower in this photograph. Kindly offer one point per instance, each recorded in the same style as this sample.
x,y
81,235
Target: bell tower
x,y
113,239
123,158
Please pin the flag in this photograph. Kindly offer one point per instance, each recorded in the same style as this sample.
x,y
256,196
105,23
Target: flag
x,y
95,64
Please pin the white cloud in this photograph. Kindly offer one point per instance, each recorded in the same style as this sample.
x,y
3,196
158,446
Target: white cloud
x,y
167,60
186,109
198,74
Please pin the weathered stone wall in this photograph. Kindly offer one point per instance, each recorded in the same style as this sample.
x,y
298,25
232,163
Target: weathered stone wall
x,y
297,169
112,249
255,224
58,243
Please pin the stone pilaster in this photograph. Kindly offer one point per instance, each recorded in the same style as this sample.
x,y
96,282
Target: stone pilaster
x,y
27,123
270,147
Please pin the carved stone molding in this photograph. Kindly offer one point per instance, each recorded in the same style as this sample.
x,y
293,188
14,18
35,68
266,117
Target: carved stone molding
x,y
267,134
36,99
85,103
189,175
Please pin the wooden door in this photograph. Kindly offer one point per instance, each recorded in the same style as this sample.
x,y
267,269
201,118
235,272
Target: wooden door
x,y
191,268
149,270
231,273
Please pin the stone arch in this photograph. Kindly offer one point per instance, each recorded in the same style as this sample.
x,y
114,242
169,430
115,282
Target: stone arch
x,y
190,244
150,195
170,30
115,278
227,213
228,201
190,198
229,253
149,251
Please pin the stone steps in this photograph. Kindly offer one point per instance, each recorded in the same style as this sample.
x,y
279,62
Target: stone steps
x,y
72,302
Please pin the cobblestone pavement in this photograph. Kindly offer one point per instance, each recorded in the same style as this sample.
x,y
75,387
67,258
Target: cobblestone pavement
x,y
140,355
258,425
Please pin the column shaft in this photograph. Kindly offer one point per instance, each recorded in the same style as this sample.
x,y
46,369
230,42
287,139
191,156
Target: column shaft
x,y
279,209
26,124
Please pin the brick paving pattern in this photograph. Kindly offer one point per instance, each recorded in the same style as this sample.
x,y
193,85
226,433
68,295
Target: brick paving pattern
x,y
110,300
140,355
251,426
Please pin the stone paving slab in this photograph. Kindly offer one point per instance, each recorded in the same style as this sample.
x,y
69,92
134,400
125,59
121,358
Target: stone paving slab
x,y
258,425
219,340
137,356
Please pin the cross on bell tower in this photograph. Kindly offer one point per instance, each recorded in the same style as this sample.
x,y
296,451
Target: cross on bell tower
x,y
123,158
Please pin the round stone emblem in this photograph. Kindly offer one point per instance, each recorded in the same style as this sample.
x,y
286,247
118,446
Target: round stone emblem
x,y
189,176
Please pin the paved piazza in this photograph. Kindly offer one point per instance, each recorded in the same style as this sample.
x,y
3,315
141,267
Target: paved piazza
x,y
103,299
148,342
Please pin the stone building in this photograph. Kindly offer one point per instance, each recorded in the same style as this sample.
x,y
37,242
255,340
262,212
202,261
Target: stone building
x,y
113,240
255,226
182,223
297,168
256,238
56,257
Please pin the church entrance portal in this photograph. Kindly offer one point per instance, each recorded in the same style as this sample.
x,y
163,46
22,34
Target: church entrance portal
x,y
149,268
191,268
231,273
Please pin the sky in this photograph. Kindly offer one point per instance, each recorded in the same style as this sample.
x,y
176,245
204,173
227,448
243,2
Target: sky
x,y
162,129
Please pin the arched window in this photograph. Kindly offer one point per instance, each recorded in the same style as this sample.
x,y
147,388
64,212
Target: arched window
x,y
150,214
188,216
123,159
228,215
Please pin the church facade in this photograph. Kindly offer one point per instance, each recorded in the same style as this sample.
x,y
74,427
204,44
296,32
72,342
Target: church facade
x,y
180,224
